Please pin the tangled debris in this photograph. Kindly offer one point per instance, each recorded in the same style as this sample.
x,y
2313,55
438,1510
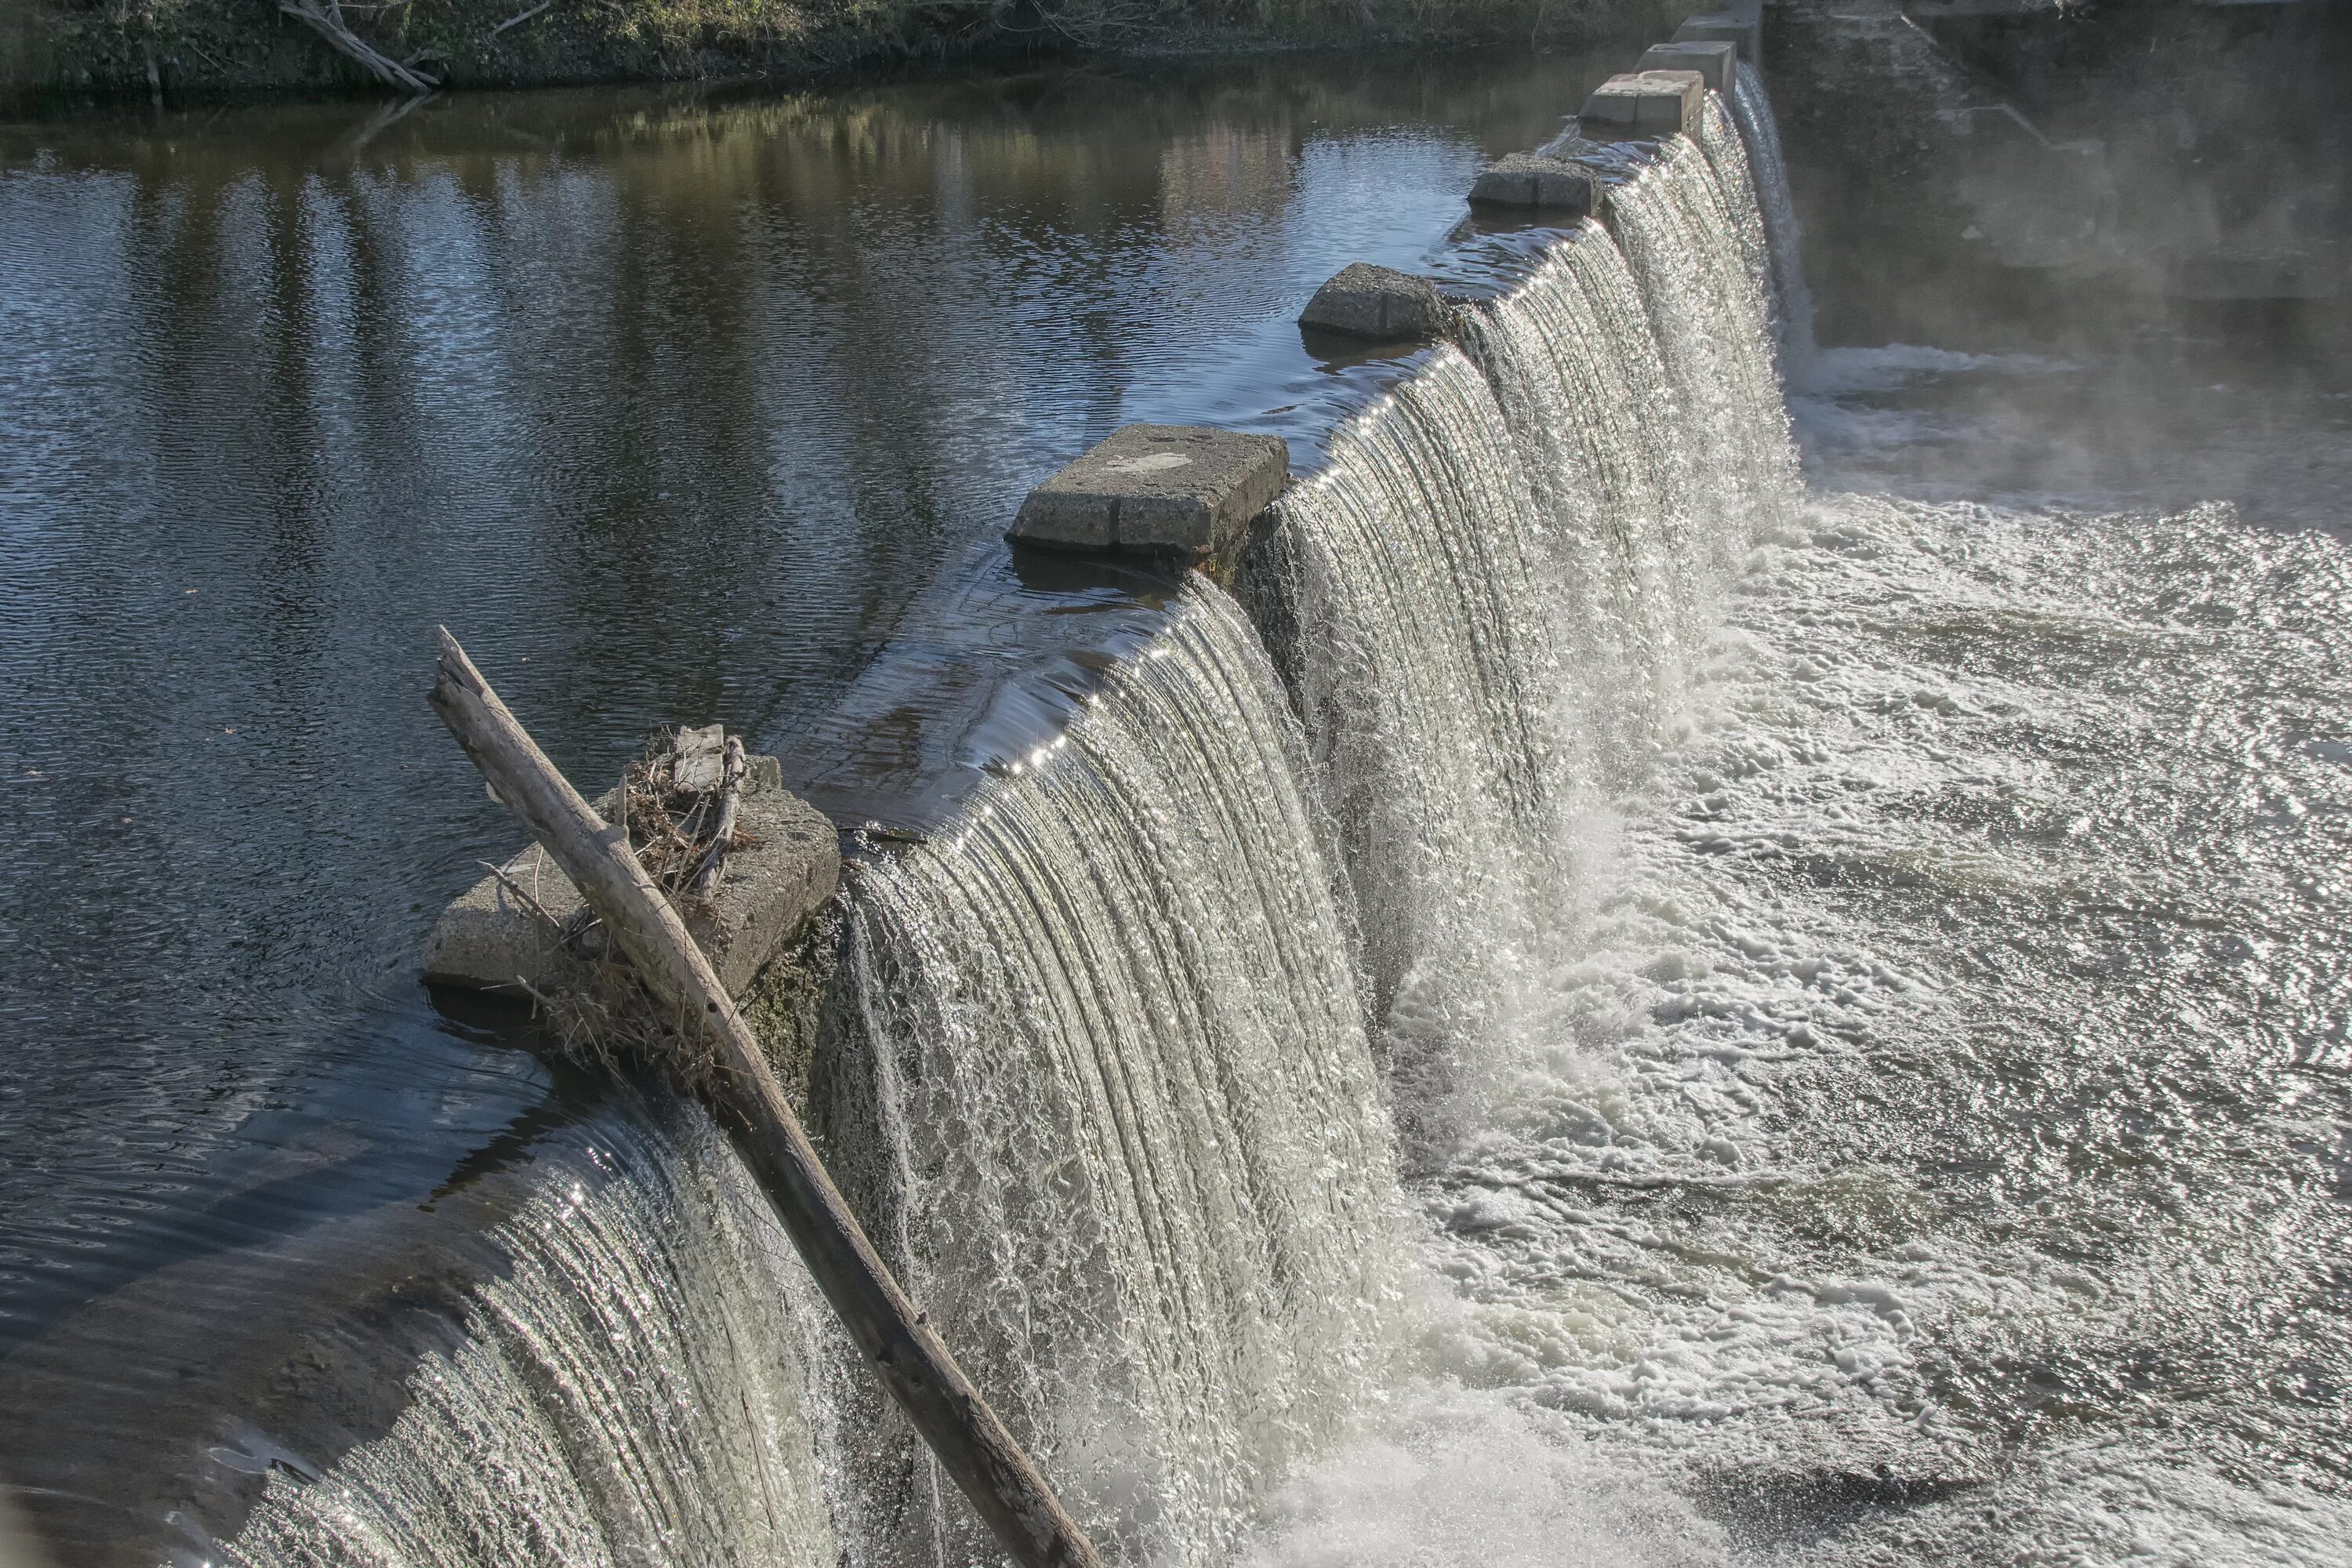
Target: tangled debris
x,y
680,802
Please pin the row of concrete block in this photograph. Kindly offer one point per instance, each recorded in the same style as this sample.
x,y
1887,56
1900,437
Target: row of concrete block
x,y
1186,493
1190,491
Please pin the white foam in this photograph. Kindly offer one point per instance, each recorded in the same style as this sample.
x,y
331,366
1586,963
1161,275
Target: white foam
x,y
1453,1478
1698,1195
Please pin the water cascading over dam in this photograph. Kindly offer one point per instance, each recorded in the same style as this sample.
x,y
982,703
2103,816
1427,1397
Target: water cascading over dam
x,y
1497,581
1793,300
1142,1169
637,1388
1142,1035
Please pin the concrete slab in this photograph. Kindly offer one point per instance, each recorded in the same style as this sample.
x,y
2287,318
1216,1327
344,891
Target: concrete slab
x,y
1745,31
1369,301
1644,104
489,938
1182,489
1536,182
1716,60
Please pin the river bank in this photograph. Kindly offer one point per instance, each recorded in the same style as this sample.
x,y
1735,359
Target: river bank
x,y
181,51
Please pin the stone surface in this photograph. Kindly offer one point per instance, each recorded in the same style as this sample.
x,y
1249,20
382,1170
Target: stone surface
x,y
1369,301
1717,61
1182,489
1744,29
1534,180
1644,104
489,938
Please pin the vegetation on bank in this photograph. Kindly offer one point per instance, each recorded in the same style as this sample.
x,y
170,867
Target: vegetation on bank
x,y
195,49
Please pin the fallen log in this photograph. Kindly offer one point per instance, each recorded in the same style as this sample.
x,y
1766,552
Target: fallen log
x,y
972,1443
325,18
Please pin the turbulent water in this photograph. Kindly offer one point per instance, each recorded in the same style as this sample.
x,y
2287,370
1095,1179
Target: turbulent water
x,y
1852,988
1948,1077
631,1392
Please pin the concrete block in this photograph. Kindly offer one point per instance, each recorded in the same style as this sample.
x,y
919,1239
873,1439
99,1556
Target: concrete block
x,y
1743,31
1151,489
1639,104
1369,301
1532,180
1718,61
489,938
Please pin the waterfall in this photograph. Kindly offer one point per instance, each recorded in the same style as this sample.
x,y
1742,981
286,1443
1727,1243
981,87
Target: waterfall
x,y
1118,1059
628,1393
1424,659
1495,580
1759,131
1581,385
1734,188
1676,224
1125,1059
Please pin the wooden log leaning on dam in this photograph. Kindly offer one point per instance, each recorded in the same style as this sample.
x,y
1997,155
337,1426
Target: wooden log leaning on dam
x,y
743,1093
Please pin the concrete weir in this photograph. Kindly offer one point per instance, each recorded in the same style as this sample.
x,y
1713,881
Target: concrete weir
x,y
1186,490
1012,654
1538,182
1744,29
491,938
1640,105
1365,301
1716,61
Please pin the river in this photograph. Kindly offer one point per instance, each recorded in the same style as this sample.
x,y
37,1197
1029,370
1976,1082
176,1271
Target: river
x,y
1758,974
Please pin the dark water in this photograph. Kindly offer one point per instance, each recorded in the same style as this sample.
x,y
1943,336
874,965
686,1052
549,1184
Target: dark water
x,y
670,404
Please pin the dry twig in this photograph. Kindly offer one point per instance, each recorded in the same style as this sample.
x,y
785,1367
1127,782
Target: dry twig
x,y
326,18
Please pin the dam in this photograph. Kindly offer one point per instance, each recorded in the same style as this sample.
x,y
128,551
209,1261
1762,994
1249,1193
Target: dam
x,y
1702,943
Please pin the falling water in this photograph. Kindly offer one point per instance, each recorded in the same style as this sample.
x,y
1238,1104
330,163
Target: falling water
x,y
1582,388
1125,1127
1495,579
630,1392
1734,189
1708,312
1792,302
1416,569
1120,1061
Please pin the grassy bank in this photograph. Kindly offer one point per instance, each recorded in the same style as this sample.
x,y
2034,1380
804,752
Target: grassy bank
x,y
186,49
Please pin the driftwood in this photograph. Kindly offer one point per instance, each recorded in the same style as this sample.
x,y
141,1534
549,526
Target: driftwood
x,y
326,18
730,804
972,1443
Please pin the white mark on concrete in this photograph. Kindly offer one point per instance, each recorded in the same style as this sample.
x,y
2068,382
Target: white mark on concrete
x,y
1152,463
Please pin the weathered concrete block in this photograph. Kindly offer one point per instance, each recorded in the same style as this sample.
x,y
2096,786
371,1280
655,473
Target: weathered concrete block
x,y
1644,104
489,938
1743,31
1371,301
1533,180
1185,489
1717,61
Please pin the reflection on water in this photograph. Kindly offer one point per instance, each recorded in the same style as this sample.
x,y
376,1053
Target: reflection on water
x,y
670,404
